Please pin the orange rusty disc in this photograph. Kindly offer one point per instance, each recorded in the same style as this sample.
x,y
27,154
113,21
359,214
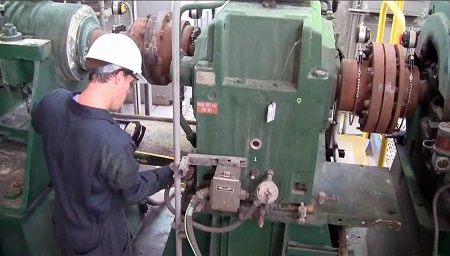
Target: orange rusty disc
x,y
376,61
402,89
153,36
364,90
390,77
185,39
348,86
348,83
415,92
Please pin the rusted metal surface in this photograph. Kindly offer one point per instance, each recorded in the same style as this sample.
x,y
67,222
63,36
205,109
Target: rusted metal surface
x,y
385,94
402,88
153,35
415,91
389,88
185,41
348,84
376,62
442,143
12,168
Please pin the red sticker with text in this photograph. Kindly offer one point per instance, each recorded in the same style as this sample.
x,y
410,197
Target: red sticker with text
x,y
207,107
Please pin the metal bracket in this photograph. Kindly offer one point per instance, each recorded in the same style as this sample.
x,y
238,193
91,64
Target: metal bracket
x,y
162,94
213,160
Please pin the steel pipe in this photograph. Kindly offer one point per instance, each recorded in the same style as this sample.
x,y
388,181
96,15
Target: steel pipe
x,y
136,100
201,6
176,9
148,118
102,14
130,13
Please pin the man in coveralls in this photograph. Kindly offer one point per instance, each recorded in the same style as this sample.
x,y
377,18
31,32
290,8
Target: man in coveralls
x,y
89,156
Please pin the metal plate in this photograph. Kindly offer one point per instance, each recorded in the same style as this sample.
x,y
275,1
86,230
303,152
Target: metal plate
x,y
364,195
389,88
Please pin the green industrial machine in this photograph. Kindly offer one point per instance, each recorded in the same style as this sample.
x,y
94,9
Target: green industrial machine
x,y
268,81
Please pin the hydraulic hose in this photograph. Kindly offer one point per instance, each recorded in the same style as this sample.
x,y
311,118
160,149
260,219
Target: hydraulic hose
x,y
190,232
152,201
231,227
190,224
167,201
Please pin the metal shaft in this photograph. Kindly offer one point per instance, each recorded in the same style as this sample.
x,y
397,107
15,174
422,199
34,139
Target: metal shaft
x,y
102,14
136,101
176,117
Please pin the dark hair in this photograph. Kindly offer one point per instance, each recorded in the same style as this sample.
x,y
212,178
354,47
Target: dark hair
x,y
105,77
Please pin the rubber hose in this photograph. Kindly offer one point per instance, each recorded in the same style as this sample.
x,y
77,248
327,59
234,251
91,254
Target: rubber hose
x,y
190,231
153,202
231,227
167,201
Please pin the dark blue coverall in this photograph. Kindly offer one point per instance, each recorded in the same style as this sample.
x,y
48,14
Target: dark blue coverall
x,y
94,175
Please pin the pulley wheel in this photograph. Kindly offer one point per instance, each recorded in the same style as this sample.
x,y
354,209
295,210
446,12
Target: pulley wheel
x,y
185,39
153,35
377,62
390,77
348,86
415,92
402,89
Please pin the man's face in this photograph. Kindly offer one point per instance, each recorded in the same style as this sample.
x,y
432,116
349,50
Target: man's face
x,y
124,84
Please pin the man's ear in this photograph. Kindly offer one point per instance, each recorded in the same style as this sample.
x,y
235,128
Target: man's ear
x,y
119,77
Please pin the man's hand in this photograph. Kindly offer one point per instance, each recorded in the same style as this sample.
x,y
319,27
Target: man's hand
x,y
183,168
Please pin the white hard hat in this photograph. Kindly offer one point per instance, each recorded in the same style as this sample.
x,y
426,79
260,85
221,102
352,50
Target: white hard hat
x,y
119,50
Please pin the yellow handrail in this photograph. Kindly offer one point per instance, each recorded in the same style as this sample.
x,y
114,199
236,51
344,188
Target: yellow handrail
x,y
398,27
398,24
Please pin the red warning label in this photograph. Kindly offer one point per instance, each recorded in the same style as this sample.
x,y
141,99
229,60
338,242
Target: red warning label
x,y
205,107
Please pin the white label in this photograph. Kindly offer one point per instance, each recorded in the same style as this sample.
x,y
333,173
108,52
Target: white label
x,y
271,112
205,78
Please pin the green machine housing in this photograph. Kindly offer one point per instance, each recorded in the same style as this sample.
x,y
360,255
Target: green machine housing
x,y
264,84
264,91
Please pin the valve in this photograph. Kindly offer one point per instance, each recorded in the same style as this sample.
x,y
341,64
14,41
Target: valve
x,y
119,7
267,191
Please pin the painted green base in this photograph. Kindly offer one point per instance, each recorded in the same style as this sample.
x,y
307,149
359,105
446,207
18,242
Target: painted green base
x,y
32,233
249,239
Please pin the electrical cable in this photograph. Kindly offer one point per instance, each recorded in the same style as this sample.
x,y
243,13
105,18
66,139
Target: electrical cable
x,y
167,201
435,218
226,229
188,226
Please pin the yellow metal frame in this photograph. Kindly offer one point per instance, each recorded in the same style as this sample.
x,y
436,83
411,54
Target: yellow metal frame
x,y
398,27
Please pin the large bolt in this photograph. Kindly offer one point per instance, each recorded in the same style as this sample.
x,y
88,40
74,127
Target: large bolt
x,y
9,29
302,214
321,198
